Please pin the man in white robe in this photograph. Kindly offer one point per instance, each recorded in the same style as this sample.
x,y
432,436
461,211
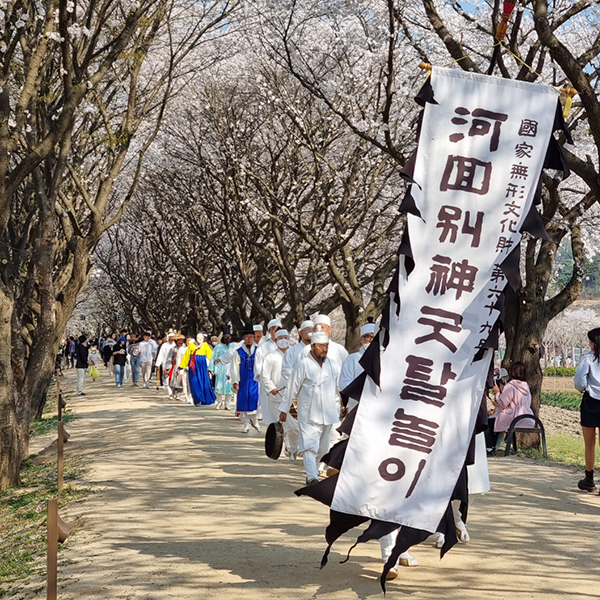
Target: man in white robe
x,y
259,334
314,382
263,350
271,379
337,353
293,355
164,360
290,360
351,368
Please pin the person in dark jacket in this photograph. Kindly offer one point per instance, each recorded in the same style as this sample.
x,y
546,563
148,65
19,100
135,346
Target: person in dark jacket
x,y
81,362
119,355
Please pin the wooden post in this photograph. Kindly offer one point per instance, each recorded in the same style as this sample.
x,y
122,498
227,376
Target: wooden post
x,y
52,557
61,446
58,396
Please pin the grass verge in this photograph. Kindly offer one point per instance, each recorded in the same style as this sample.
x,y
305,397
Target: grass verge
x,y
563,449
566,399
23,508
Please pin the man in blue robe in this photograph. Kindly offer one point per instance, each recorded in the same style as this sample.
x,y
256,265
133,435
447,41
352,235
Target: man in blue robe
x,y
242,378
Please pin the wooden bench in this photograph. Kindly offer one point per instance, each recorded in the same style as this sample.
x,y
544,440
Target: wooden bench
x,y
514,429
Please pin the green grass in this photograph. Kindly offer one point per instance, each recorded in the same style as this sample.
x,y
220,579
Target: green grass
x,y
23,508
49,424
571,400
563,449
560,371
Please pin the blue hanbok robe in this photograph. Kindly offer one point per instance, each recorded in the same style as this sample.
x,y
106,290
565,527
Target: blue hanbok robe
x,y
247,396
199,381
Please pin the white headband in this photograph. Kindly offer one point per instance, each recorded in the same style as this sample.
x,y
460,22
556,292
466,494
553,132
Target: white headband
x,y
319,337
367,328
322,320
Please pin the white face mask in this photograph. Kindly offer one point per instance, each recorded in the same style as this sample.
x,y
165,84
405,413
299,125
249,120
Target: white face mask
x,y
283,343
365,346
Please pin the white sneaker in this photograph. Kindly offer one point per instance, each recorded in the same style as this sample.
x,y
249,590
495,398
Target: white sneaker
x,y
256,426
438,539
392,574
246,428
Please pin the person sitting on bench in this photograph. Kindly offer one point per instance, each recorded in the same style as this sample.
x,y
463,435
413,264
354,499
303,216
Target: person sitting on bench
x,y
512,401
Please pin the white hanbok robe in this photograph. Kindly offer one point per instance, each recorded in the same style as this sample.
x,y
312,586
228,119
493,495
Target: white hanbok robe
x,y
262,352
351,369
164,360
272,379
336,353
291,358
315,388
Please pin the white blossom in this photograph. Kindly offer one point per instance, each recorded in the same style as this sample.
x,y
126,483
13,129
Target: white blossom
x,y
74,30
54,35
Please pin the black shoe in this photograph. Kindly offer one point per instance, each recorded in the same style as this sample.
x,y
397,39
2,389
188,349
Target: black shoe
x,y
312,482
587,483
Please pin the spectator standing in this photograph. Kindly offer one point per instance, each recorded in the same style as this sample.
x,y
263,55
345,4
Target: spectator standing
x,y
81,362
587,380
119,355
147,357
107,349
72,348
134,359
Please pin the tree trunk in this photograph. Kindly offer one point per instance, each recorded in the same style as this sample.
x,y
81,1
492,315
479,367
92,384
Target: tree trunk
x,y
10,453
351,314
524,329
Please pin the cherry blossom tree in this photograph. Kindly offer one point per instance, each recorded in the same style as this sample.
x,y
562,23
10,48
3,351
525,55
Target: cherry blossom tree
x,y
83,89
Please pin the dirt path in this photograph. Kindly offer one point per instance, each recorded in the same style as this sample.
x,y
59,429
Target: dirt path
x,y
188,507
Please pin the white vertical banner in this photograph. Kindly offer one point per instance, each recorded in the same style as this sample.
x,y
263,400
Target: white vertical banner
x,y
479,158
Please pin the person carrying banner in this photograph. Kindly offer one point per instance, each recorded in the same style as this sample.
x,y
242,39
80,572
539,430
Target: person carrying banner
x,y
242,379
314,382
351,368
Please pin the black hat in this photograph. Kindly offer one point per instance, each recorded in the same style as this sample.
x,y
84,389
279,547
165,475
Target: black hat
x,y
226,329
246,329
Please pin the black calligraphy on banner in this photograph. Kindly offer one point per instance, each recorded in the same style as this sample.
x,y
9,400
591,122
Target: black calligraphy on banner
x,y
447,321
447,275
448,221
466,175
515,188
410,431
